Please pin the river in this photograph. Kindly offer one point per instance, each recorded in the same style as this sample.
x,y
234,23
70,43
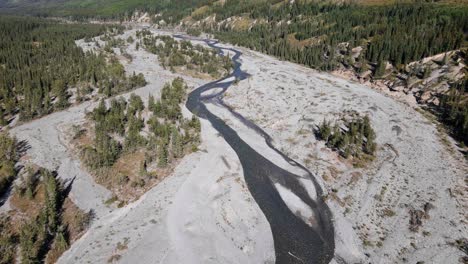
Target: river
x,y
294,240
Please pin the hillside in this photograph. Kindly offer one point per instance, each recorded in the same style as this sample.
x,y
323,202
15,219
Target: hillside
x,y
417,50
115,9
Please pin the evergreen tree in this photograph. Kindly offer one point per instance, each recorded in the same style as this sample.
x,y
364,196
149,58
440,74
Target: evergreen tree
x,y
162,154
151,103
8,158
325,130
380,69
52,199
60,243
176,141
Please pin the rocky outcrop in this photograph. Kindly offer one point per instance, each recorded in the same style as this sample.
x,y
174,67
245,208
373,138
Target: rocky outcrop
x,y
422,81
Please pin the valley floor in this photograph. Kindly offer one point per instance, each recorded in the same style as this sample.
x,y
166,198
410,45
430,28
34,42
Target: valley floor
x,y
204,212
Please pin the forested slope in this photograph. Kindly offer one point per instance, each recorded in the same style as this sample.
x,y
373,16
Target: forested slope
x,y
41,64
311,34
105,9
372,41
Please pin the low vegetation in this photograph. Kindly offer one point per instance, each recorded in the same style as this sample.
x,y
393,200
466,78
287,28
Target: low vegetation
x,y
8,158
352,137
453,111
135,145
182,56
43,223
194,32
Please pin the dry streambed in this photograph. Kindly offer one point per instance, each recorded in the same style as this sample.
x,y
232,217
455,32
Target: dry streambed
x,y
416,180
203,207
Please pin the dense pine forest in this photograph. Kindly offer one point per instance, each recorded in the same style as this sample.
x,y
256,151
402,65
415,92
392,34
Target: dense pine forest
x,y
40,63
311,34
173,10
8,157
454,110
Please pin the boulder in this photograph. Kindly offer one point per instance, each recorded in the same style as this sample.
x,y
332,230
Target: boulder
x,y
398,88
435,101
426,95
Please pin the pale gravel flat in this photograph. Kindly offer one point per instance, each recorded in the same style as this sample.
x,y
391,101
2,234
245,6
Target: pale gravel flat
x,y
47,150
203,213
47,136
412,167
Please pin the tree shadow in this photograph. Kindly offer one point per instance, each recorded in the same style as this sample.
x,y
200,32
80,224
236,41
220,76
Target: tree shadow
x,y
22,147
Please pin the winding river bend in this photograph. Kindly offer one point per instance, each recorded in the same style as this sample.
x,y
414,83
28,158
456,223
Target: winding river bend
x,y
294,240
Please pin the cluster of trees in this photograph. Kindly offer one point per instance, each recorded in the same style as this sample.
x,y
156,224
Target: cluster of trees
x,y
173,53
194,32
112,41
106,150
36,236
8,158
119,82
39,62
8,240
350,137
43,237
454,110
173,134
170,135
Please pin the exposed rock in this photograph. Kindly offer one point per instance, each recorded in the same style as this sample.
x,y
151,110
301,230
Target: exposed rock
x,y
356,51
412,81
397,88
365,74
434,100
442,88
425,96
402,76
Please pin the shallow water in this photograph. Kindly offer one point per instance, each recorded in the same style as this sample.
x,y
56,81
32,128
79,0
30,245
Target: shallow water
x,y
294,240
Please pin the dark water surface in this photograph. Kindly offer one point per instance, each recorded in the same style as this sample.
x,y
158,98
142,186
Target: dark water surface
x,y
294,240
